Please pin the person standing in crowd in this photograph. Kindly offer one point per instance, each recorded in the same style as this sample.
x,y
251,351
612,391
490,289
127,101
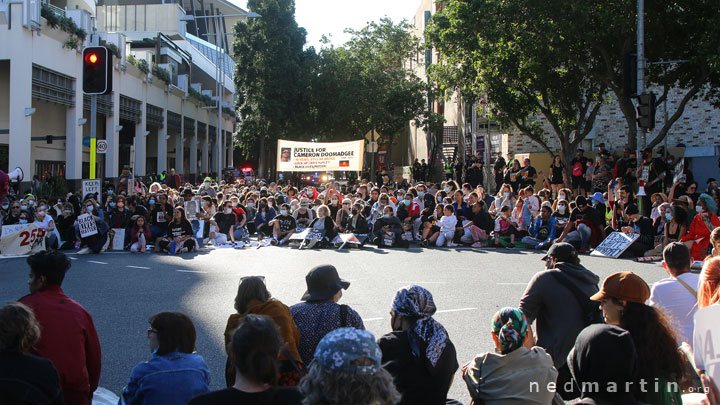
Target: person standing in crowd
x,y
68,338
676,295
698,236
517,366
552,298
254,298
254,348
25,378
528,175
348,371
557,175
175,373
173,180
513,175
622,297
418,353
577,168
320,313
499,171
603,363
601,175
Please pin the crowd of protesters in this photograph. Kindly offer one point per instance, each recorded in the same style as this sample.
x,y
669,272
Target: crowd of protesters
x,y
614,342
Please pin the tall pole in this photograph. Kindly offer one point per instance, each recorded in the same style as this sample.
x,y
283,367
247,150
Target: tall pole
x,y
641,63
93,123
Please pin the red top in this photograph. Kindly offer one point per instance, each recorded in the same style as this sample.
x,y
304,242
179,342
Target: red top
x,y
69,340
699,233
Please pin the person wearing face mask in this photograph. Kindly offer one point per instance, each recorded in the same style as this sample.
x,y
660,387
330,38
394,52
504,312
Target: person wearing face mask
x,y
698,237
283,226
64,223
118,214
357,223
408,213
324,222
504,198
378,207
584,226
175,373
561,216
343,215
263,217
46,223
250,211
303,215
97,242
642,226
387,229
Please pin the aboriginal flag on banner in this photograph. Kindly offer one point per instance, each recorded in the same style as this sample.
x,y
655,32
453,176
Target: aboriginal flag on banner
x,y
344,163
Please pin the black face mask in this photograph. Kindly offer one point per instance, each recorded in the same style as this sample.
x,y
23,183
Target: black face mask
x,y
354,211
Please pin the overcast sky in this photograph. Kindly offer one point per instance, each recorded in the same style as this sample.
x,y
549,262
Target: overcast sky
x,y
331,17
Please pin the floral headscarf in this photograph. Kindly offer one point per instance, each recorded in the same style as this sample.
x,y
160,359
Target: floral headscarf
x,y
510,327
426,334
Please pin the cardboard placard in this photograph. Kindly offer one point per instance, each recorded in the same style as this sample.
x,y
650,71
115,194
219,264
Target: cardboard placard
x,y
706,341
21,239
87,225
90,187
118,239
680,172
615,244
191,209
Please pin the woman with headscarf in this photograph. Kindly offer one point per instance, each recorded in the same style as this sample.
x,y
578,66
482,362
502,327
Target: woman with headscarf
x,y
698,236
418,352
518,371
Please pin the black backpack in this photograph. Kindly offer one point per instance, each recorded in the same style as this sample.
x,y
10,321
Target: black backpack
x,y
591,309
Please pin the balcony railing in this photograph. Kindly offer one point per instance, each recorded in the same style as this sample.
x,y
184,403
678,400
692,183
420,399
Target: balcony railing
x,y
60,12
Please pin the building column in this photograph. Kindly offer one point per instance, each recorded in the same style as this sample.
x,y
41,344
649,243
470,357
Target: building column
x,y
180,147
73,137
204,150
140,140
193,153
231,148
20,148
218,150
112,135
162,145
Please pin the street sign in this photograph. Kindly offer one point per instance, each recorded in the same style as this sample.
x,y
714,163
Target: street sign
x,y
372,147
372,136
102,146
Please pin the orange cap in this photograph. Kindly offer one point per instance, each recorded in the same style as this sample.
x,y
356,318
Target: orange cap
x,y
624,285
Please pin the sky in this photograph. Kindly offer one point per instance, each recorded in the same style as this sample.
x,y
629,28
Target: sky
x,y
331,17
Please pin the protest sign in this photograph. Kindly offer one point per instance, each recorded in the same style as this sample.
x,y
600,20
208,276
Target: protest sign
x,y
118,239
316,156
87,225
90,187
191,209
706,345
21,239
351,238
615,244
680,172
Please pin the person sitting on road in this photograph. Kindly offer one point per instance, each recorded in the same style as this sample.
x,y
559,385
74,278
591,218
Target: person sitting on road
x,y
303,215
180,235
324,222
254,348
175,373
408,213
24,378
551,299
418,352
68,338
387,230
447,224
542,232
254,298
357,223
320,313
643,227
348,371
283,226
698,236
139,235
603,363
46,222
264,215
160,215
224,224
65,226
518,371
584,226
622,297
504,227
250,212
477,230
97,242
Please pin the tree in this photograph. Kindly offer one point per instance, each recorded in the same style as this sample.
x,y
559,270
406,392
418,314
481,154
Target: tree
x,y
268,76
489,46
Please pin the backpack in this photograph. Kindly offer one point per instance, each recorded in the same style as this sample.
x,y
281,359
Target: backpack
x,y
577,169
591,309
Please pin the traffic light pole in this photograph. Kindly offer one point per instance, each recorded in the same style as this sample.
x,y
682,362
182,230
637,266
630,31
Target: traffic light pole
x,y
640,65
93,123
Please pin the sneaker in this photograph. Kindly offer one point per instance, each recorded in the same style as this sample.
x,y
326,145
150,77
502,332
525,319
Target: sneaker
x,y
274,242
452,244
84,251
424,243
511,245
172,248
477,245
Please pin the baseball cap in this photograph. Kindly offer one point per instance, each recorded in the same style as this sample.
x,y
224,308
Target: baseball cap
x,y
624,285
580,201
561,252
208,179
338,350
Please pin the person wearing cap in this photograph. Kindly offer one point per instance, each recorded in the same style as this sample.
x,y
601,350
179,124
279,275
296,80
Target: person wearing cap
x,y
549,301
698,236
517,372
643,227
347,370
622,298
584,226
577,171
603,363
418,352
320,312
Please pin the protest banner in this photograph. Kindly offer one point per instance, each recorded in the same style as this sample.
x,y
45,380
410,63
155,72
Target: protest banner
x,y
87,225
317,156
707,341
191,209
21,239
90,187
615,244
351,238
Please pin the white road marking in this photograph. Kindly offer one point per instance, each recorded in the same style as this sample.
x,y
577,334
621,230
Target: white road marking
x,y
139,267
422,282
93,261
511,283
72,258
190,271
372,319
455,310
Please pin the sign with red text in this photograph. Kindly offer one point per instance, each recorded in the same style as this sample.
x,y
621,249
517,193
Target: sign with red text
x,y
319,156
21,239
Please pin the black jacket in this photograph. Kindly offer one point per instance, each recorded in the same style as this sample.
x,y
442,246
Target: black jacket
x,y
393,222
359,226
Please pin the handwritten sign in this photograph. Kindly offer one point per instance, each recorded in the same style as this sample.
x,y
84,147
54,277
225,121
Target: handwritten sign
x,y
615,244
87,225
90,187
706,345
21,239
680,172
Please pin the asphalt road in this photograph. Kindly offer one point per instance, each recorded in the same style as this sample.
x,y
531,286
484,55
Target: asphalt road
x,y
121,290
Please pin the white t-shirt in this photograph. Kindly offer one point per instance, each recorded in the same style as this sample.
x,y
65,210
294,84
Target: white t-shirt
x,y
45,223
677,303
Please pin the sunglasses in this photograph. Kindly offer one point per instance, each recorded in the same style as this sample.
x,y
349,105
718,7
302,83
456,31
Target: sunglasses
x,y
151,331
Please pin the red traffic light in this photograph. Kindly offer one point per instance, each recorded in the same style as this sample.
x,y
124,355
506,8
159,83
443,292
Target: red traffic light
x,y
91,58
97,70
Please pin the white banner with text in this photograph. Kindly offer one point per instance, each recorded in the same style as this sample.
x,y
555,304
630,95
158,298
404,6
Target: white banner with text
x,y
319,156
22,239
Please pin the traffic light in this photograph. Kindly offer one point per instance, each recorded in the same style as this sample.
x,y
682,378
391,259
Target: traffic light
x,y
97,70
630,75
646,110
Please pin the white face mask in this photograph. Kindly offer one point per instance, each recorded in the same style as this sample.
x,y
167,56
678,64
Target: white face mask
x,y
698,209
228,210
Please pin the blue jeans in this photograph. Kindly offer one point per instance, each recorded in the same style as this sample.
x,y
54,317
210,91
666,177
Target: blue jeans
x,y
580,235
531,242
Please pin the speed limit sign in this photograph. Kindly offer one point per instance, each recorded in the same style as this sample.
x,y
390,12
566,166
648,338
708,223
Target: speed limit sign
x,y
102,146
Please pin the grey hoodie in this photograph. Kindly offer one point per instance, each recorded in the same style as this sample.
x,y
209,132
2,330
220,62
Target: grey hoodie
x,y
559,317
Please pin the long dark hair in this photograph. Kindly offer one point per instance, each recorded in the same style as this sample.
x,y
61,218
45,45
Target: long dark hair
x,y
255,346
655,342
250,288
183,218
175,332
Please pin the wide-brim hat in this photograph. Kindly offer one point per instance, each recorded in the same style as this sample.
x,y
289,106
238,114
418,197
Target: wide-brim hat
x,y
323,282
